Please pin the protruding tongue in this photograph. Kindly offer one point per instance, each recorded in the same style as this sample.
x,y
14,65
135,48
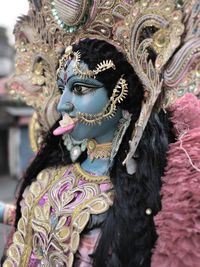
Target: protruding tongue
x,y
67,124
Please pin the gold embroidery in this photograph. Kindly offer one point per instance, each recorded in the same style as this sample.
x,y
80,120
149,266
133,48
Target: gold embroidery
x,y
24,229
52,230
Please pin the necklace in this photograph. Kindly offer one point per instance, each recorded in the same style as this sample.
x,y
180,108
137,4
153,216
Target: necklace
x,y
74,147
98,151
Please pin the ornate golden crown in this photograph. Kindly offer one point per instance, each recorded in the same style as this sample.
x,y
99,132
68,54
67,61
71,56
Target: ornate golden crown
x,y
148,32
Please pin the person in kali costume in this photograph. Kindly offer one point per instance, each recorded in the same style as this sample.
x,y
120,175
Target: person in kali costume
x,y
92,195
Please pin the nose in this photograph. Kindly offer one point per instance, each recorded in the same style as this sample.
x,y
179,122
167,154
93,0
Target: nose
x,y
69,106
65,107
65,104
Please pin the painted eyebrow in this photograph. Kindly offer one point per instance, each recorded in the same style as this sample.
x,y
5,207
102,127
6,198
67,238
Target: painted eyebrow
x,y
80,81
70,77
84,81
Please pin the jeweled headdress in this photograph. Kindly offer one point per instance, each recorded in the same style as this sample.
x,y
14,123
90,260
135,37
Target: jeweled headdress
x,y
159,37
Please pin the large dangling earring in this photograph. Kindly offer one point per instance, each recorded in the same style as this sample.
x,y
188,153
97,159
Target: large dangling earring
x,y
74,147
119,134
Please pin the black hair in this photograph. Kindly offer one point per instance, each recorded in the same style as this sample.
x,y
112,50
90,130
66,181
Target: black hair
x,y
128,233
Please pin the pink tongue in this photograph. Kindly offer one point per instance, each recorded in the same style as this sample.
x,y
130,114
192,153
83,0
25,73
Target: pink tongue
x,y
61,130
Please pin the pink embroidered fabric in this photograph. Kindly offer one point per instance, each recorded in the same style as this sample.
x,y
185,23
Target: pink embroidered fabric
x,y
178,223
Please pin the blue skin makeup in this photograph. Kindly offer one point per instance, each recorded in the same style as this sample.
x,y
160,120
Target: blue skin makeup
x,y
87,96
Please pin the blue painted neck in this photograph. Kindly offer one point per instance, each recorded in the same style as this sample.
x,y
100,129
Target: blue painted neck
x,y
97,166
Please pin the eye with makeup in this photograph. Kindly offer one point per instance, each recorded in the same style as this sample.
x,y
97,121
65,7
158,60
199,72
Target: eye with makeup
x,y
82,89
78,87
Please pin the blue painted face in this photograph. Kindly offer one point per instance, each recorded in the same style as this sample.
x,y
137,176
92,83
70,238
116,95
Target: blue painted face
x,y
86,96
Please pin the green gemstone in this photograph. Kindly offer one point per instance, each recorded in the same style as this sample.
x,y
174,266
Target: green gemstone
x,y
180,92
191,88
179,3
71,29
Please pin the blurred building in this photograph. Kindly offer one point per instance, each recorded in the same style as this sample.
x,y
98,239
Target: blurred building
x,y
15,151
6,54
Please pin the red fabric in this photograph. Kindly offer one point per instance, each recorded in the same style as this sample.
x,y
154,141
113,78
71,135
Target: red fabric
x,y
178,223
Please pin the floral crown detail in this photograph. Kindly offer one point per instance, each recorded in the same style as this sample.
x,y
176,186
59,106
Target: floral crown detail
x,y
76,56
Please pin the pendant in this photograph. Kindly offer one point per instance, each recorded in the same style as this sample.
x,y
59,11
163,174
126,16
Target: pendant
x,y
75,152
74,147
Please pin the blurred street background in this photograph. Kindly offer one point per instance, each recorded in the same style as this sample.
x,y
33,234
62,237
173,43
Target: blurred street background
x,y
15,151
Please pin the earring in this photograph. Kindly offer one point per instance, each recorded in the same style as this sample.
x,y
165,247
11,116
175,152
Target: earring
x,y
74,147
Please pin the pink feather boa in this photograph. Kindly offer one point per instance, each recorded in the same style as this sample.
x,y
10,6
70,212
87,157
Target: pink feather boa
x,y
178,223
